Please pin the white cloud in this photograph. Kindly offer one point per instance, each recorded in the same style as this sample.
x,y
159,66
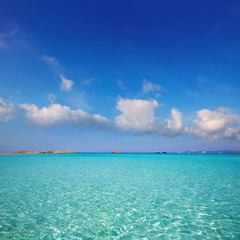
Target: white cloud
x,y
51,98
138,115
55,66
151,87
217,124
56,114
8,111
173,126
66,84
232,133
51,61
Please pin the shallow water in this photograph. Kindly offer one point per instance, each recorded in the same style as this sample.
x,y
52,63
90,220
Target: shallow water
x,y
120,196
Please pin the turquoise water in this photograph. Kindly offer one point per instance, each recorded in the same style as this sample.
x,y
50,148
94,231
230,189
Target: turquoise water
x,y
120,196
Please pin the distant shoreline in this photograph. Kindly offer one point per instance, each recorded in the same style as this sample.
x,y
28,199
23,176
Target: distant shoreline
x,y
37,152
117,152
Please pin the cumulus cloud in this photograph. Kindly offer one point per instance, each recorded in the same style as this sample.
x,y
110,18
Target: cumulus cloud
x,y
218,124
56,114
151,87
8,111
66,84
172,126
232,133
138,115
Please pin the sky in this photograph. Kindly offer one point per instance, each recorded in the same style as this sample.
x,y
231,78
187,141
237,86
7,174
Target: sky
x,y
131,76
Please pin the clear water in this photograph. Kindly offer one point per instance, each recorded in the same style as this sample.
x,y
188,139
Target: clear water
x,y
114,196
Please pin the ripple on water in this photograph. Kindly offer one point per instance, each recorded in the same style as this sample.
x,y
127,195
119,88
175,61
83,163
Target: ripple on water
x,y
128,197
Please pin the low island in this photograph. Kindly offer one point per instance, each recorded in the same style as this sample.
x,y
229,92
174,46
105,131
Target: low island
x,y
36,152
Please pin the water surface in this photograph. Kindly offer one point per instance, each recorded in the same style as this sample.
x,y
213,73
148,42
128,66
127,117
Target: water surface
x,y
120,196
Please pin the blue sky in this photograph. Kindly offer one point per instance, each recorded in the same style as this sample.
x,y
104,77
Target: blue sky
x,y
136,76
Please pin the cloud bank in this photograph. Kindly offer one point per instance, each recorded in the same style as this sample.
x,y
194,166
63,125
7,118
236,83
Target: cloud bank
x,y
8,111
139,116
56,114
136,115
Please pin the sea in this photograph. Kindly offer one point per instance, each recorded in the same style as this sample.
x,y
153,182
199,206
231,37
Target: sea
x,y
120,196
